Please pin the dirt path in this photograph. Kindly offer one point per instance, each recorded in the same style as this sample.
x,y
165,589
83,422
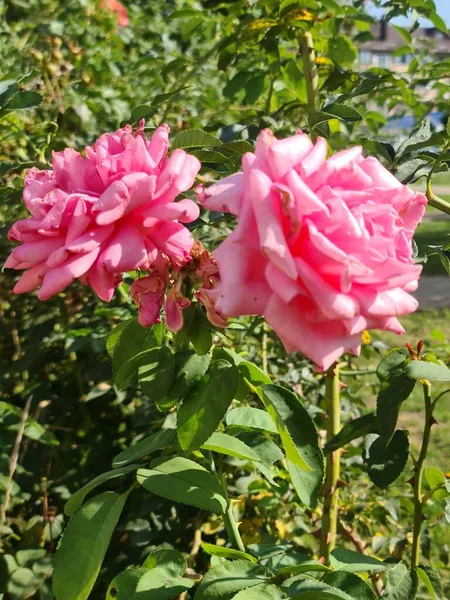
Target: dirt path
x,y
433,292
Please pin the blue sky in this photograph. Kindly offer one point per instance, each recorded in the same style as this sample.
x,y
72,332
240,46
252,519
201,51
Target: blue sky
x,y
443,9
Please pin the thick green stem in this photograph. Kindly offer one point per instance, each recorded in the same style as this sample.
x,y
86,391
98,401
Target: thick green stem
x,y
435,201
310,71
331,491
232,529
228,518
439,203
418,477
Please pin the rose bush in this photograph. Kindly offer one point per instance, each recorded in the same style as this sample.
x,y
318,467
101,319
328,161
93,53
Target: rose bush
x,y
322,247
94,217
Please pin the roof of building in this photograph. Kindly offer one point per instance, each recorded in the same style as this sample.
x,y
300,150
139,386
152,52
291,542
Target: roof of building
x,y
386,38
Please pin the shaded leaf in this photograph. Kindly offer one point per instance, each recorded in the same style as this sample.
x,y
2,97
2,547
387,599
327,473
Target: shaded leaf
x,y
204,407
145,447
300,440
77,499
83,546
352,430
228,578
155,373
386,462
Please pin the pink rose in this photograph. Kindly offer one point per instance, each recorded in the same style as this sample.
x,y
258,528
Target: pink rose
x,y
95,217
118,9
322,247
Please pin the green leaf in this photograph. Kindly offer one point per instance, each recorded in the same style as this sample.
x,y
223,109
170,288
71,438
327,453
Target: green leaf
x,y
395,388
77,499
420,369
22,584
228,578
254,88
192,138
350,561
344,113
189,370
26,558
438,22
351,584
231,446
418,138
183,480
162,585
172,561
155,374
341,50
114,336
24,101
8,88
386,463
352,430
432,581
267,451
131,348
262,591
145,447
143,111
197,329
83,545
253,374
300,440
401,583
204,407
295,564
315,590
251,419
124,585
436,478
228,553
161,98
238,146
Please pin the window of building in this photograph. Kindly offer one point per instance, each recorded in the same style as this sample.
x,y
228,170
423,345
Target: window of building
x,y
383,60
365,57
404,59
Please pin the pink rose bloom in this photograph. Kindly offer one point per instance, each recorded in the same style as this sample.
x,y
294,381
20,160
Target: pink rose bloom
x,y
118,9
97,216
322,247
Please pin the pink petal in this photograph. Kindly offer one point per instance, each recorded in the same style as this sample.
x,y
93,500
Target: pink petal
x,y
284,154
224,196
125,251
184,211
158,144
56,280
329,301
31,279
322,343
174,314
273,241
173,239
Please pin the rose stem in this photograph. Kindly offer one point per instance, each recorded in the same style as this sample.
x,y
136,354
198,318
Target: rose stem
x,y
418,474
332,470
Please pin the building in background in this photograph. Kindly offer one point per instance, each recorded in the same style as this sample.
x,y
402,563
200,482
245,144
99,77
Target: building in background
x,y
381,51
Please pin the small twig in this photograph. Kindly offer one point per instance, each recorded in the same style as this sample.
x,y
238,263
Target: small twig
x,y
13,466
